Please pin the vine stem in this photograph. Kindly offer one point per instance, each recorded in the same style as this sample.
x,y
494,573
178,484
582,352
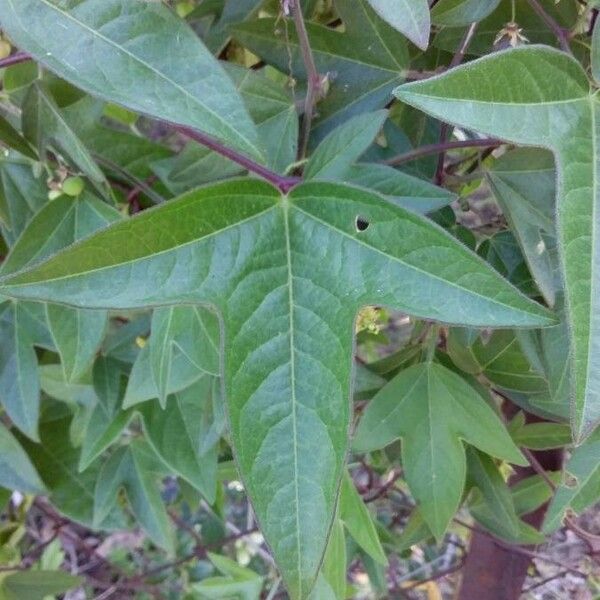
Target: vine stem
x,y
14,59
558,31
445,129
312,74
442,147
281,182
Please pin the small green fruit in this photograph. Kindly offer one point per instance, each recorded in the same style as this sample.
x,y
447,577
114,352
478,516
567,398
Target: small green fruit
x,y
73,186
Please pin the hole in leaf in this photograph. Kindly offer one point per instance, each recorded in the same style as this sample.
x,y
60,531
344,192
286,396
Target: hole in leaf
x,y
361,224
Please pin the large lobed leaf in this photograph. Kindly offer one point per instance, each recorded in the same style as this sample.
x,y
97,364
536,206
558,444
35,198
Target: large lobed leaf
x,y
540,96
287,275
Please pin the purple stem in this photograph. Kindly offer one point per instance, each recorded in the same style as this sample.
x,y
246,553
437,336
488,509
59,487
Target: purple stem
x,y
281,182
14,59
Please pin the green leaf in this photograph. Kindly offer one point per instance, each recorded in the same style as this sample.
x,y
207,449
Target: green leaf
x,y
71,492
191,331
287,276
344,146
519,86
581,487
23,193
501,357
433,411
454,13
135,469
595,53
331,582
494,506
410,17
78,334
542,436
16,470
43,124
11,138
36,585
19,382
399,187
186,433
137,54
106,420
524,183
236,582
358,521
365,61
272,108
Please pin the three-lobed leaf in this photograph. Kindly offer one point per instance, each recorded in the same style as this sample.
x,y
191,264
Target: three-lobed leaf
x,y
287,275
433,410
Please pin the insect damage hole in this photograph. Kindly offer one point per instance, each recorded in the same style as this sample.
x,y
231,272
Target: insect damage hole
x,y
361,224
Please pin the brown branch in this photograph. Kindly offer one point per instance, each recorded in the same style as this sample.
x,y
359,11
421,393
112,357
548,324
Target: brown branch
x,y
515,548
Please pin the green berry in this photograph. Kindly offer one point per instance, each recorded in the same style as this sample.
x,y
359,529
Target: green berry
x,y
73,186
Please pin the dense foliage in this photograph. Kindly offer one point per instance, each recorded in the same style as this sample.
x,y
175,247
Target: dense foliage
x,y
296,296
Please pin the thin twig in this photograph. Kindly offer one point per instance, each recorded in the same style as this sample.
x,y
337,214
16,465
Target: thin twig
x,y
441,147
283,183
445,129
560,33
313,78
14,59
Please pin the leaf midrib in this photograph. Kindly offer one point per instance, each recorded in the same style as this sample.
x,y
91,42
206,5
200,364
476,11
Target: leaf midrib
x,y
290,285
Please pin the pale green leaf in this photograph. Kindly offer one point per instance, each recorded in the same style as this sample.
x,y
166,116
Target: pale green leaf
x,y
410,17
581,486
539,96
36,585
185,434
137,54
358,521
43,125
16,470
454,13
344,146
135,469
